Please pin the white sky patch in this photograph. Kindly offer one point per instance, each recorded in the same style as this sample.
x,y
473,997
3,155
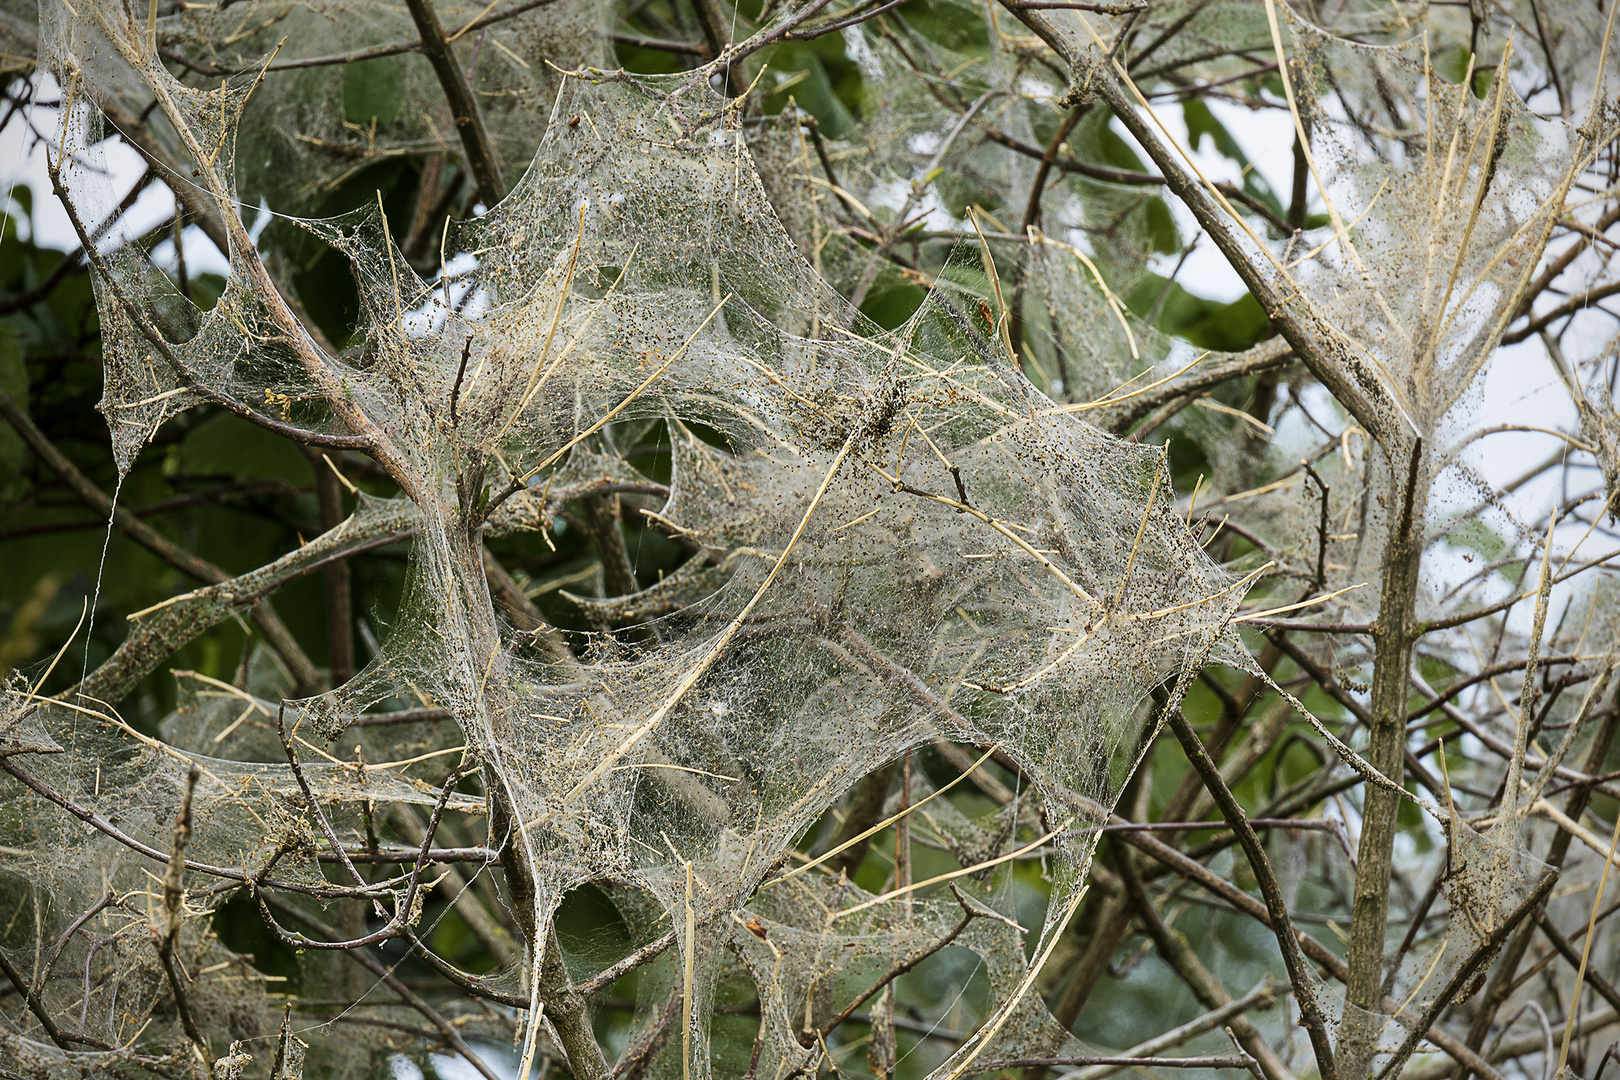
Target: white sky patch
x,y
23,164
501,1062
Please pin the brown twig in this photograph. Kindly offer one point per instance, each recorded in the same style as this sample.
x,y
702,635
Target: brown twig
x,y
1245,1062
1275,295
445,1029
1318,952
306,678
569,1011
107,828
155,636
338,59
143,324
70,264
1104,173
873,10
1311,1017
901,967
62,1039
173,900
467,981
223,493
1606,990
1267,355
1174,950
1386,721
481,158
614,972
1484,954
494,936
1502,982
404,909
337,585
1579,302
1319,580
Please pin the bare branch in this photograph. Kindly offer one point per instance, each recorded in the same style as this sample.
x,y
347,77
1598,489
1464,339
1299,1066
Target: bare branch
x,y
305,677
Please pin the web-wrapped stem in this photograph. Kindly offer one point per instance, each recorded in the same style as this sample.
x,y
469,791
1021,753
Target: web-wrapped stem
x,y
245,259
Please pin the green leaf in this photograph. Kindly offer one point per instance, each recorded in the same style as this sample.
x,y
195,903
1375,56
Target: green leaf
x,y
945,24
893,300
1095,140
1202,124
373,90
816,88
1452,64
1483,545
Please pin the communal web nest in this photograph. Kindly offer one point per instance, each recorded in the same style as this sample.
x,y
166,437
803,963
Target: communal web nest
x,y
1440,199
1438,203
311,129
894,540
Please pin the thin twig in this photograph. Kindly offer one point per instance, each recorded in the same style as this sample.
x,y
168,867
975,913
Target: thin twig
x,y
1484,954
445,1029
481,158
173,899
1311,1017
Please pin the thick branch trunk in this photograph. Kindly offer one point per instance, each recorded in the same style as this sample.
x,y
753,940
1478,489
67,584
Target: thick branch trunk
x,y
1386,751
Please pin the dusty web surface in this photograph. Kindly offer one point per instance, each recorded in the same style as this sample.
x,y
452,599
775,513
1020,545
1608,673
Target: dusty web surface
x,y
896,539
893,537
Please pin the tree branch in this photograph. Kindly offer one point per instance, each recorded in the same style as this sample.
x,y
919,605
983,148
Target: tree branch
x,y
1277,295
1175,951
306,679
1386,749
1484,954
481,159
445,1029
173,898
1311,1017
